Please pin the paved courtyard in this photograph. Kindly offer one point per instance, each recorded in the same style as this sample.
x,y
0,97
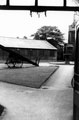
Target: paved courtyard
x,y
53,101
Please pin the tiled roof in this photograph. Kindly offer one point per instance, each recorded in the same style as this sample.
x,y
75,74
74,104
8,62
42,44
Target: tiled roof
x,y
25,43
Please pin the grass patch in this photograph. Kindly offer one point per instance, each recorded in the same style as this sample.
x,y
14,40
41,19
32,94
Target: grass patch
x,y
30,77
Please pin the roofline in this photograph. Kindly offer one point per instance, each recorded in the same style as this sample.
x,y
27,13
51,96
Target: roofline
x,y
20,38
29,40
30,48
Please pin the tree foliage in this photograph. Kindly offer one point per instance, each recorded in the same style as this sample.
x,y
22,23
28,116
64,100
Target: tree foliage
x,y
49,32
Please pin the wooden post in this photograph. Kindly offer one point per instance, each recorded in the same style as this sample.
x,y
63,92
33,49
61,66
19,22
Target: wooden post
x,y
8,3
64,3
36,3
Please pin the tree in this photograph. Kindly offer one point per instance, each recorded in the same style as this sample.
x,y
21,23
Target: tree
x,y
53,35
49,33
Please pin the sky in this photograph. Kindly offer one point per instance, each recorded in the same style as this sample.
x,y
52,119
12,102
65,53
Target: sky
x,y
20,23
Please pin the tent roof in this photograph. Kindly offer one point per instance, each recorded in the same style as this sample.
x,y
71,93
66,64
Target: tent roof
x,y
25,43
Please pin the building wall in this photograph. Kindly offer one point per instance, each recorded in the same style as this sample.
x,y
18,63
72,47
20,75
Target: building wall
x,y
32,54
3,55
71,40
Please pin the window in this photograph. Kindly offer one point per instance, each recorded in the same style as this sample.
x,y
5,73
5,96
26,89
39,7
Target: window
x,y
73,3
22,2
32,2
50,2
2,2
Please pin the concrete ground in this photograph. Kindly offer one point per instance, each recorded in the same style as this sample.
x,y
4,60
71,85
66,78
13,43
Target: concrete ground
x,y
61,78
53,101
